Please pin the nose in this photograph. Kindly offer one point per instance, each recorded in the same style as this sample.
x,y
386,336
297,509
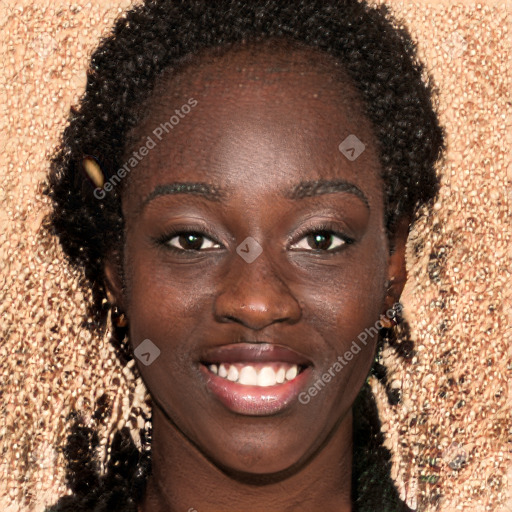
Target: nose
x,y
255,296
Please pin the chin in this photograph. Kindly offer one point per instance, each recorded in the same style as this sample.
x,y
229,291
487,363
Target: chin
x,y
263,447
251,461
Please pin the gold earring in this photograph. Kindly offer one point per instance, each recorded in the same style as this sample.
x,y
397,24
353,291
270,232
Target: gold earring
x,y
119,318
392,316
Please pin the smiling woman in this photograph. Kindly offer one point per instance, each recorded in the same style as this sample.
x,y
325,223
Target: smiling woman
x,y
250,247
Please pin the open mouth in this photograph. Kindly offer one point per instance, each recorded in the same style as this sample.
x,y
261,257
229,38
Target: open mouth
x,y
255,378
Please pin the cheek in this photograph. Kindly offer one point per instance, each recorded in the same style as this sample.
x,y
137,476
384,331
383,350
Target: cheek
x,y
345,310
169,310
164,304
350,297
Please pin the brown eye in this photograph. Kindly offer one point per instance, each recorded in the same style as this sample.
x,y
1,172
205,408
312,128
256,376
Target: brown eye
x,y
190,241
321,239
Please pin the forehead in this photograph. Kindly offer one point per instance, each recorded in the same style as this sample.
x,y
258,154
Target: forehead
x,y
263,111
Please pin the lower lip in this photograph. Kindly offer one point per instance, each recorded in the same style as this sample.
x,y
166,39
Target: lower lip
x,y
255,400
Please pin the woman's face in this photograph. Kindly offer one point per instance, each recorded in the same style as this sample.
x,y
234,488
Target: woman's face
x,y
277,264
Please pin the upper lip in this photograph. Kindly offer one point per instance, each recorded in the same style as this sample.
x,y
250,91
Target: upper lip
x,y
254,352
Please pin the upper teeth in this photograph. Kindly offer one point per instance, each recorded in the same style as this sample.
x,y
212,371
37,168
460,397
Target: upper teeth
x,y
248,375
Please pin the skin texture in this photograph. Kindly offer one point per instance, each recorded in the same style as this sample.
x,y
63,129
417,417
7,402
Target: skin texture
x,y
265,120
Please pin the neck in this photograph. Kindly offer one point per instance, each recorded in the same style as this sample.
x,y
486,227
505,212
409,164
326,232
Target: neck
x,y
183,479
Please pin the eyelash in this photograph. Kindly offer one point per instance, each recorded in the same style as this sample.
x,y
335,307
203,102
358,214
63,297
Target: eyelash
x,y
327,229
184,230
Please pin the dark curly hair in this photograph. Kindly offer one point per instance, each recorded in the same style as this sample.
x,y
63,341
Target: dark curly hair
x,y
379,56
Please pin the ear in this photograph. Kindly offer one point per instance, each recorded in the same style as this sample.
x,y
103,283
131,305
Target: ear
x,y
397,271
113,280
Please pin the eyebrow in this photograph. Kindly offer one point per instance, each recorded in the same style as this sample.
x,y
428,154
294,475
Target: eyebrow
x,y
198,188
321,187
300,191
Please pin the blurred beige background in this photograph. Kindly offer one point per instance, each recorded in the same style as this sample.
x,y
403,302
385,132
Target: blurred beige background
x,y
456,391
